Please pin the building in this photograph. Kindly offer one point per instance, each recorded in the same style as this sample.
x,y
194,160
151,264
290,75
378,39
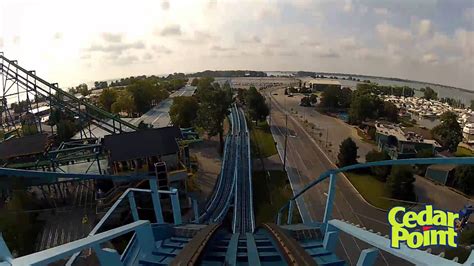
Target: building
x,y
323,84
441,173
402,143
25,150
155,151
468,133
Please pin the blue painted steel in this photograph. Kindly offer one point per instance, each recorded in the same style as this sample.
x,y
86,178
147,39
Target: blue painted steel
x,y
330,199
107,256
290,211
368,257
176,206
141,228
252,251
133,206
196,211
231,253
5,254
415,256
330,240
325,175
155,197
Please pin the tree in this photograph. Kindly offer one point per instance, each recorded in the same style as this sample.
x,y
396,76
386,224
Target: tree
x,y
330,98
464,179
18,227
107,98
449,132
313,98
380,171
400,183
66,129
195,82
390,111
426,153
124,103
255,102
430,94
365,106
305,101
183,111
29,129
214,107
83,89
472,104
347,153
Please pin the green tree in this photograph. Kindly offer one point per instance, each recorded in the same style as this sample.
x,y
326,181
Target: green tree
x,y
449,132
18,228
305,101
195,82
330,98
214,107
430,94
124,103
255,102
107,98
380,171
83,89
464,179
347,153
183,111
400,183
29,129
390,112
365,106
472,104
313,98
66,129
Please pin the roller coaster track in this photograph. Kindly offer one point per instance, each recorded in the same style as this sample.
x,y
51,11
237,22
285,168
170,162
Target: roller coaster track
x,y
18,83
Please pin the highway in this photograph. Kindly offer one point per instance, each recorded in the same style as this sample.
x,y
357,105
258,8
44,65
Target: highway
x,y
305,161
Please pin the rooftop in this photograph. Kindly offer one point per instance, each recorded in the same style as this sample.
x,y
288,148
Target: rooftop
x,y
325,82
142,143
418,135
24,146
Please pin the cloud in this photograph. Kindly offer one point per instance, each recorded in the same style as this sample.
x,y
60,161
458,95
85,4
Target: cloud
x,y
147,57
85,56
288,53
165,4
468,15
1,42
380,11
347,6
171,30
321,51
16,40
348,43
430,58
218,48
112,37
58,35
125,60
392,34
160,49
267,12
425,27
116,48
253,39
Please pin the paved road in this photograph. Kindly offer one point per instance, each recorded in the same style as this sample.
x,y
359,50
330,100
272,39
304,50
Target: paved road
x,y
305,161
157,116
332,129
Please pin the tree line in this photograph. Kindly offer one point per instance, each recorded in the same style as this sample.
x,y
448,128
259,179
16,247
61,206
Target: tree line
x,y
228,73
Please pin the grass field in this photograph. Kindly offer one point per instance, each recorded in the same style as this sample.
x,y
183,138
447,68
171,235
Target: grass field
x,y
463,152
372,189
271,190
262,141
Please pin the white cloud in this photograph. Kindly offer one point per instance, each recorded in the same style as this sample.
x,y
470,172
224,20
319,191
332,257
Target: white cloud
x,y
392,34
347,6
1,42
160,49
171,30
112,37
468,15
430,58
381,11
58,35
165,4
348,43
425,27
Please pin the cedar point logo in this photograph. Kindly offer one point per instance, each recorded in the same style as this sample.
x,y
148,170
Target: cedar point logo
x,y
421,229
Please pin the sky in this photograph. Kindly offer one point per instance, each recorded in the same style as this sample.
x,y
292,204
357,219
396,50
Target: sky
x,y
77,41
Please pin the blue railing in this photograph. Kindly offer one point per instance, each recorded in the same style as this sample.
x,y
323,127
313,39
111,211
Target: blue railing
x,y
333,173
